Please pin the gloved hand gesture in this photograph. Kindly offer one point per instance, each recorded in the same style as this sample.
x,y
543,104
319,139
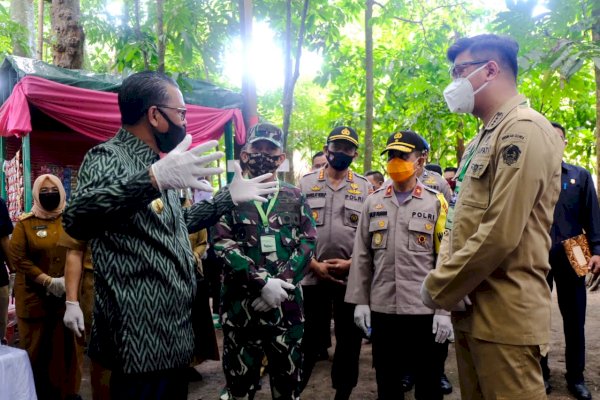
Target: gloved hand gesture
x,y
442,327
243,190
273,293
260,305
362,318
182,168
73,318
56,286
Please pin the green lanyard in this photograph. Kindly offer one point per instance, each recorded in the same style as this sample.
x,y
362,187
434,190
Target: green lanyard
x,y
264,216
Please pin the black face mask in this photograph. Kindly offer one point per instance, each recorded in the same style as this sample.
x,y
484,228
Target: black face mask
x,y
259,164
50,200
169,140
338,160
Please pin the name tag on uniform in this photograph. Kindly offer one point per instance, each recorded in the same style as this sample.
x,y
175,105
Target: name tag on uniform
x,y
267,244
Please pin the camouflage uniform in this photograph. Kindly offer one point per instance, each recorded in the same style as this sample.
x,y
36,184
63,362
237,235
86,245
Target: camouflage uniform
x,y
248,334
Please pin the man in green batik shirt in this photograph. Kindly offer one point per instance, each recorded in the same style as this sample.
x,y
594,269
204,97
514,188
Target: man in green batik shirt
x,y
143,264
266,249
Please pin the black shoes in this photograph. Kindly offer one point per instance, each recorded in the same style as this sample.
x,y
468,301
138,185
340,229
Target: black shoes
x,y
580,391
547,386
445,385
407,382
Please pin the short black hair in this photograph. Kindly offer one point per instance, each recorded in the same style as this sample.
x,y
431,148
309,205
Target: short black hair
x,y
378,175
317,154
450,169
434,168
559,126
501,48
141,91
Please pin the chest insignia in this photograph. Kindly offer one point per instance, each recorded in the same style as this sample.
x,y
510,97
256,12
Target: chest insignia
x,y
354,189
315,215
430,181
42,233
572,181
379,206
421,240
316,188
377,238
381,223
354,218
428,226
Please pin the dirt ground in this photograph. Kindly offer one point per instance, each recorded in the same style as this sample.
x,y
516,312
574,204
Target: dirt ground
x,y
319,387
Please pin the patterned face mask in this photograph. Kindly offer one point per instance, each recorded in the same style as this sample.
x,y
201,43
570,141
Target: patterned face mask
x,y
259,163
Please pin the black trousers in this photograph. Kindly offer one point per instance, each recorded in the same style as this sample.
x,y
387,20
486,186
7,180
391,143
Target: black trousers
x,y
572,300
169,384
318,299
402,343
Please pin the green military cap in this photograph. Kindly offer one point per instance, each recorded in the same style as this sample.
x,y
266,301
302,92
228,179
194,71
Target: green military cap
x,y
266,131
343,133
404,141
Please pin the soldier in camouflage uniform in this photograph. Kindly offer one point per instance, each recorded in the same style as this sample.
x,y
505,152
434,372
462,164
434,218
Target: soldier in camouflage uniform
x,y
266,249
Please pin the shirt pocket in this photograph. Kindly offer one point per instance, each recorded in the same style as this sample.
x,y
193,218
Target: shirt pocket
x,y
475,190
420,235
317,206
378,229
246,233
352,211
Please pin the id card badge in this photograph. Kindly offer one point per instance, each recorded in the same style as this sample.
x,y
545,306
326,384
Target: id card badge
x,y
267,244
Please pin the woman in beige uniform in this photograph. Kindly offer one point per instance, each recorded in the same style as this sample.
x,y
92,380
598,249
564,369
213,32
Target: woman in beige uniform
x,y
39,293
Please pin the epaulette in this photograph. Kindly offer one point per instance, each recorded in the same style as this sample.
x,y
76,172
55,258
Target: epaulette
x,y
24,216
361,177
430,189
309,173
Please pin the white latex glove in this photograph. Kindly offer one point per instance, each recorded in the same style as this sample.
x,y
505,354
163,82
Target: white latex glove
x,y
442,327
260,305
73,318
182,168
57,286
273,293
362,318
242,189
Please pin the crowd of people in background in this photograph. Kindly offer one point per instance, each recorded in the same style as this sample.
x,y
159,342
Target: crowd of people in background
x,y
406,260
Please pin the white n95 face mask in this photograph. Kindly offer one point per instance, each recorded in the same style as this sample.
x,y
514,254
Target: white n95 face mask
x,y
459,94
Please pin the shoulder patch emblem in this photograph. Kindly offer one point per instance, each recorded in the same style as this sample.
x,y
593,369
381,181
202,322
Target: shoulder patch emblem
x,y
511,154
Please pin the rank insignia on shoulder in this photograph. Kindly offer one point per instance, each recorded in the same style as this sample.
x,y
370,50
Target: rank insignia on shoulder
x,y
354,218
418,191
25,216
378,206
157,206
354,189
377,238
315,188
388,191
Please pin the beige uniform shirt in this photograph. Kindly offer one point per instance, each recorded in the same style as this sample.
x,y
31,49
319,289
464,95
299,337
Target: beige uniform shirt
x,y
336,212
435,181
497,250
394,249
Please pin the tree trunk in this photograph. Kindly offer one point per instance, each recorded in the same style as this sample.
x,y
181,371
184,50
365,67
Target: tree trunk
x,y
596,39
160,34
21,11
248,84
69,37
290,79
368,140
40,31
138,32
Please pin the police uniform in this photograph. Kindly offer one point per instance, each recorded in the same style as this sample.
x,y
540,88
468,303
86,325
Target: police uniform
x,y
394,249
497,253
336,211
435,181
50,345
255,249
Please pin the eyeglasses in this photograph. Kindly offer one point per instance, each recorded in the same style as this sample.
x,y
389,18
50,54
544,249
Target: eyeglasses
x,y
180,110
456,70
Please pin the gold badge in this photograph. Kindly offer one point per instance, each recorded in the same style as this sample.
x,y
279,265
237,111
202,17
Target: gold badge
x,y
315,215
377,238
417,191
428,226
398,136
345,132
430,180
354,189
42,233
315,188
157,206
354,218
378,206
381,224
421,239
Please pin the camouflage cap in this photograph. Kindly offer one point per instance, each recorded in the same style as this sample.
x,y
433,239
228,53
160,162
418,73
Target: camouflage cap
x,y
266,131
343,133
404,141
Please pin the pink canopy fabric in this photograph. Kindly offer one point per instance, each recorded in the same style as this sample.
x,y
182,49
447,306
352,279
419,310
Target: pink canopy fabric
x,y
96,114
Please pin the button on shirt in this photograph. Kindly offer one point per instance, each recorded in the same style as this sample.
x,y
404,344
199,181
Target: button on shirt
x,y
336,212
577,209
144,266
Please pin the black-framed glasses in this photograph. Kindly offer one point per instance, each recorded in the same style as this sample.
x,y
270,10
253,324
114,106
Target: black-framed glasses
x,y
456,70
180,110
